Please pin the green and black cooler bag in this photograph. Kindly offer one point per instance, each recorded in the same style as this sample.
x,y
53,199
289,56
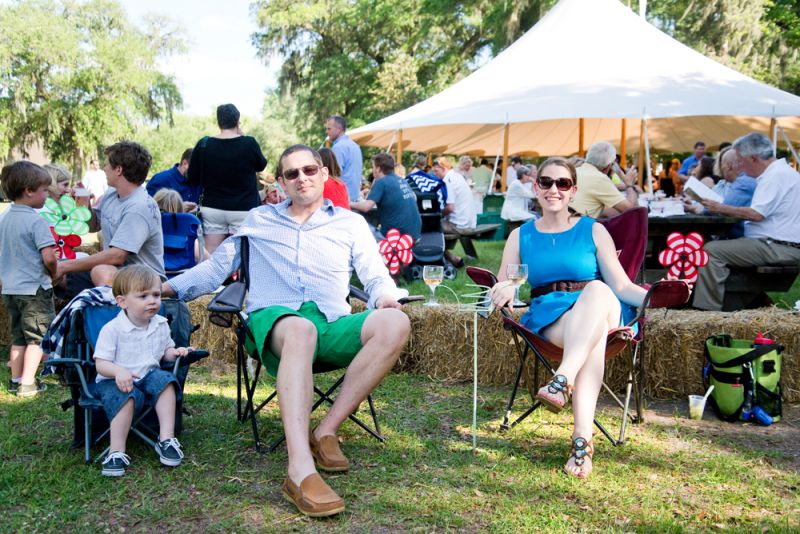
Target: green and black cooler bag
x,y
737,368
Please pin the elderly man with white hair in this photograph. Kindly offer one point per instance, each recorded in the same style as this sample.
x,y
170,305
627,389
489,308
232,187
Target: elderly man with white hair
x,y
772,222
597,195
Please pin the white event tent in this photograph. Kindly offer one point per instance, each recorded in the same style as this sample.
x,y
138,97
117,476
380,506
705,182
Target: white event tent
x,y
567,83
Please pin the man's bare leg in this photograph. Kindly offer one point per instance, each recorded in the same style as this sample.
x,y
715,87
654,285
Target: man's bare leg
x,y
383,336
294,340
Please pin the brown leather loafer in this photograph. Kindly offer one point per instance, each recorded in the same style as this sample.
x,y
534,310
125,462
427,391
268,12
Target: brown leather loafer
x,y
327,453
314,497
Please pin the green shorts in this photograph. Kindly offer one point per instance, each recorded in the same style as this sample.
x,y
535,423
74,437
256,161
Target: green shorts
x,y
30,316
337,342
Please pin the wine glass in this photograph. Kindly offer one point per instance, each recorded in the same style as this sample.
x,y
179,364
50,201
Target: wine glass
x,y
433,276
517,273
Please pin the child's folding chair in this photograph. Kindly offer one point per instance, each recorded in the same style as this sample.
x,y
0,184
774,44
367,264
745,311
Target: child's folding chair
x,y
76,370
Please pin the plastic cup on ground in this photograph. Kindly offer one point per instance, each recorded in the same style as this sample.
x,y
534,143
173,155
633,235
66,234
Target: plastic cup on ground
x,y
697,403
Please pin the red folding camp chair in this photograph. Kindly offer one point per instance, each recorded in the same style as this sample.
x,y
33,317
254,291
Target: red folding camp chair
x,y
629,232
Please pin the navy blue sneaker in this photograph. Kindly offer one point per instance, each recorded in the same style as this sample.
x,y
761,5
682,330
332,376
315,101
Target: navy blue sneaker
x,y
114,464
169,452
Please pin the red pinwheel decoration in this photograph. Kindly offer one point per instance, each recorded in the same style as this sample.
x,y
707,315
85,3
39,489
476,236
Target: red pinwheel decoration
x,y
396,250
683,255
65,244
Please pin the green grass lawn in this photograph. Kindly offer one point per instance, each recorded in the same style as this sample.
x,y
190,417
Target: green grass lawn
x,y
672,475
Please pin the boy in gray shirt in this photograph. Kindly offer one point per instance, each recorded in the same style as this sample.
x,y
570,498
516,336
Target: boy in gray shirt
x,y
129,219
27,263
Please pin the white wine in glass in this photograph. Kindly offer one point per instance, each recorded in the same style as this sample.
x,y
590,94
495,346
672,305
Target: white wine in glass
x,y
433,276
517,273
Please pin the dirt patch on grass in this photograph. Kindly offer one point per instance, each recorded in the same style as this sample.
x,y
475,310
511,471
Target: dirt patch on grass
x,y
782,438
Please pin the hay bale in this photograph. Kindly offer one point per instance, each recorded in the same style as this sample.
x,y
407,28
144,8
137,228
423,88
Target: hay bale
x,y
674,348
220,342
441,346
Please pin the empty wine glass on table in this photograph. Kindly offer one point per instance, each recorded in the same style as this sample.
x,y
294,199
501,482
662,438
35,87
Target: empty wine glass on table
x,y
433,276
517,273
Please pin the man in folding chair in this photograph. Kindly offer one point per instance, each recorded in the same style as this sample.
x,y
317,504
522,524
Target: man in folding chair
x,y
302,253
562,247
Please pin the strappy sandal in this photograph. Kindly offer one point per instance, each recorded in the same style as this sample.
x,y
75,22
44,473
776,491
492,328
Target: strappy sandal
x,y
581,450
555,394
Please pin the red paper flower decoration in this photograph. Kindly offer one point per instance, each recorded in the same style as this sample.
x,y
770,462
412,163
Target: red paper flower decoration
x,y
65,244
683,255
396,250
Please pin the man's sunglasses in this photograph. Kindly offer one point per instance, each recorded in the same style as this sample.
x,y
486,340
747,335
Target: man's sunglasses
x,y
308,170
562,184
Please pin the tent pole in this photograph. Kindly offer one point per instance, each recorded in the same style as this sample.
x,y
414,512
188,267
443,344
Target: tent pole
x,y
506,131
790,146
622,144
399,159
647,169
430,159
641,152
581,151
773,131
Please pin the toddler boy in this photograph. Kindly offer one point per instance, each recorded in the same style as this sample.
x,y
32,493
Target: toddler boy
x,y
128,355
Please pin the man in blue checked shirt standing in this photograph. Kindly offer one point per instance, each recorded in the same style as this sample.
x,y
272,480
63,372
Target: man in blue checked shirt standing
x,y
302,253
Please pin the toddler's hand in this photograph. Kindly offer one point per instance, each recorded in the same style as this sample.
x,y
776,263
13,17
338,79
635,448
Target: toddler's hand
x,y
124,381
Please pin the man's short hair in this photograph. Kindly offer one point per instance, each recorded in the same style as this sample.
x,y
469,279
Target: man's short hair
x,y
754,144
699,144
187,155
516,159
227,116
601,154
291,150
421,161
384,161
93,161
341,121
19,176
134,278
134,159
484,161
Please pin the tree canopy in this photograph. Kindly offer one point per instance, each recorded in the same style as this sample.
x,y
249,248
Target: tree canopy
x,y
760,38
367,59
77,75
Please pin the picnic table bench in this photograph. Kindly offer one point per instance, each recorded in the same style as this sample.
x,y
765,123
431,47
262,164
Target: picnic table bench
x,y
746,288
466,236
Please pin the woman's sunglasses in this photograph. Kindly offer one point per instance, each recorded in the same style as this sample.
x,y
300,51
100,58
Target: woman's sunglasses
x,y
308,170
562,184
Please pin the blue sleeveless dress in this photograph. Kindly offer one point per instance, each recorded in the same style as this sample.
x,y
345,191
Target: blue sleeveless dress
x,y
570,255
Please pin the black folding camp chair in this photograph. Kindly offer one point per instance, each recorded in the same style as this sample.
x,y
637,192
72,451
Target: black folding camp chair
x,y
226,310
76,370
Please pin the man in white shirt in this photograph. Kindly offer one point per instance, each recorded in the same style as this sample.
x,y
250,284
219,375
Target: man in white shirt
x,y
511,171
772,222
95,181
459,212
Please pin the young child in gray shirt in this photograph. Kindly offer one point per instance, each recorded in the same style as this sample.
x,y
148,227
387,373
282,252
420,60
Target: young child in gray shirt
x,y
27,265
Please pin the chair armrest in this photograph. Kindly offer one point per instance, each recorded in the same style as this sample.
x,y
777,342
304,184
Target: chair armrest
x,y
667,294
184,361
358,293
229,300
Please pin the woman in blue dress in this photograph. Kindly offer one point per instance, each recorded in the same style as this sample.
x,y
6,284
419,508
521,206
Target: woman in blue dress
x,y
561,246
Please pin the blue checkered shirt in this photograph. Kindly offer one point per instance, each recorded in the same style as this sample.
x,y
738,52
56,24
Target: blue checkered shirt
x,y
293,263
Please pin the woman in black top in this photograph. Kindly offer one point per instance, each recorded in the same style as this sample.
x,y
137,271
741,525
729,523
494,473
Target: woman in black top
x,y
226,166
